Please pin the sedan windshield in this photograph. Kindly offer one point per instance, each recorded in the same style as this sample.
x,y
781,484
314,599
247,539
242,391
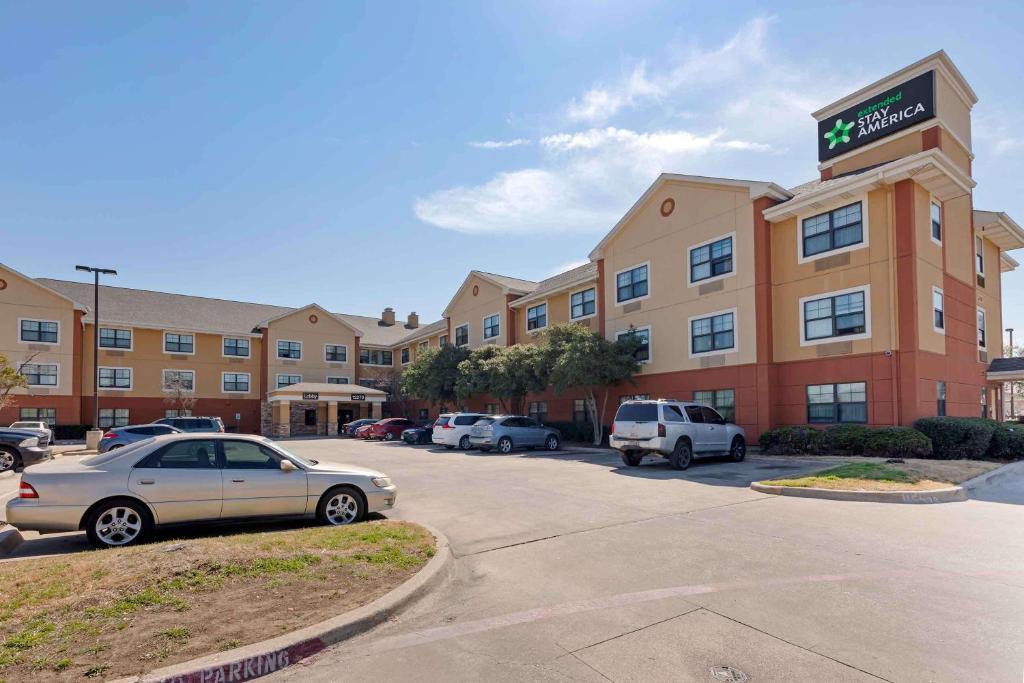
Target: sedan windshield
x,y
308,462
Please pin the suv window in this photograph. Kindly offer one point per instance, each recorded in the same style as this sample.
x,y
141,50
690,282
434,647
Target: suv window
x,y
199,454
484,421
711,416
441,421
528,422
673,414
161,429
463,420
695,414
637,412
245,455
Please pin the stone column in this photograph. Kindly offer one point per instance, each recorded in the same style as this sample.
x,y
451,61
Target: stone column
x,y
375,410
282,419
332,418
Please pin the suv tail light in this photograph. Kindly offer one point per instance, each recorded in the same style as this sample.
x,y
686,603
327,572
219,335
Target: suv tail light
x,y
109,435
611,430
661,429
26,491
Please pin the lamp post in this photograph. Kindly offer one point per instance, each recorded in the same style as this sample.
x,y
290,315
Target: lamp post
x,y
96,338
1012,414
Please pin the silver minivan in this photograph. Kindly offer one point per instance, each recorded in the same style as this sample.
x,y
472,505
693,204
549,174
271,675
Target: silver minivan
x,y
506,432
677,430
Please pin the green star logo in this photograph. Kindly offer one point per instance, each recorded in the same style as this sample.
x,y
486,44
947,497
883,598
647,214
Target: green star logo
x,y
839,133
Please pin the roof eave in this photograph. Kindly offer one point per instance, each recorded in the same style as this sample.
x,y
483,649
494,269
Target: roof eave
x,y
1000,229
537,296
314,306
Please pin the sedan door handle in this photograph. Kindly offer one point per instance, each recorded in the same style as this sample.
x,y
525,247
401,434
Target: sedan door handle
x,y
147,481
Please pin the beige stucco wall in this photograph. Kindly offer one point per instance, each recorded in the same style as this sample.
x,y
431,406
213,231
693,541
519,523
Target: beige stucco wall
x,y
952,111
702,212
959,238
23,299
313,335
559,313
901,144
471,309
990,298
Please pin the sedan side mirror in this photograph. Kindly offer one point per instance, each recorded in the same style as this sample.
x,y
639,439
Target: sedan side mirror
x,y
288,466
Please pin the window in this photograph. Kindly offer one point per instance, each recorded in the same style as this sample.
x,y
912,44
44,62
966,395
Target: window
x,y
288,380
491,408
43,331
829,403
375,357
115,378
184,380
671,413
631,284
177,412
337,380
835,316
695,414
836,229
405,355
40,374
291,350
982,341
47,415
492,326
583,304
236,347
979,260
115,339
643,353
940,398
936,222
538,410
235,381
194,454
722,400
711,260
938,310
310,415
462,335
335,353
443,340
246,455
984,402
579,410
537,317
179,343
113,417
714,333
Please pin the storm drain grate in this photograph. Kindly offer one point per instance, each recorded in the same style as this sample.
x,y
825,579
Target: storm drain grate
x,y
729,674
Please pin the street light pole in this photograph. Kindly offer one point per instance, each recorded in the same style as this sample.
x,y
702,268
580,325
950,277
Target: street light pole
x,y
1012,413
96,338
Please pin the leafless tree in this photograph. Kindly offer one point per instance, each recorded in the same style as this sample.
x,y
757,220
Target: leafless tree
x,y
179,394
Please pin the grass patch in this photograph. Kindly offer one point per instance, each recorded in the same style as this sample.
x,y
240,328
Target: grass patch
x,y
124,611
867,474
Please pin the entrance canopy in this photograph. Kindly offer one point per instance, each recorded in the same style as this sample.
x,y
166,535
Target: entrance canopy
x,y
338,393
1006,370
313,408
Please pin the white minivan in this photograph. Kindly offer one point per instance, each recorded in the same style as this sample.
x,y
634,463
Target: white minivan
x,y
677,430
452,429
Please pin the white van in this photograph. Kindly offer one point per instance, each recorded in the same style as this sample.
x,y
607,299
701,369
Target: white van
x,y
452,429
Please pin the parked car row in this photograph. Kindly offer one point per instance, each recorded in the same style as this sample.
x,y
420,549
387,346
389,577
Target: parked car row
x,y
465,431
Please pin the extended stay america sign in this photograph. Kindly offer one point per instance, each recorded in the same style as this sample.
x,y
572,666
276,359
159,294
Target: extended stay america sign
x,y
906,104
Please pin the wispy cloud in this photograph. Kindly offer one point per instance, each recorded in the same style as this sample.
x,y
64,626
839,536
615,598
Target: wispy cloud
x,y
499,144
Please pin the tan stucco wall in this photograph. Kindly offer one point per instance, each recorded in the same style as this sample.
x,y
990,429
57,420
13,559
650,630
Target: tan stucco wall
x,y
467,308
312,366
989,298
899,145
702,212
22,298
952,111
959,238
559,313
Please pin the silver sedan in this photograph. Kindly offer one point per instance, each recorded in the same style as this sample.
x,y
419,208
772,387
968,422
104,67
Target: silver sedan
x,y
120,496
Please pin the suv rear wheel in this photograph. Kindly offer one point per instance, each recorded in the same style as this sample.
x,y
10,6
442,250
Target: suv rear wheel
x,y
682,456
464,443
632,458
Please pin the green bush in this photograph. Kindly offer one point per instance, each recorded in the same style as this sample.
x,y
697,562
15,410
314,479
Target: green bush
x,y
896,442
957,437
790,440
1007,441
848,438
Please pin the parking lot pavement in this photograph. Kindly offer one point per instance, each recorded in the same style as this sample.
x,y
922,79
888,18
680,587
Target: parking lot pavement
x,y
573,566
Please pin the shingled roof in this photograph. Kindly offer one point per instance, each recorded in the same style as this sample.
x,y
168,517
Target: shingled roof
x,y
556,283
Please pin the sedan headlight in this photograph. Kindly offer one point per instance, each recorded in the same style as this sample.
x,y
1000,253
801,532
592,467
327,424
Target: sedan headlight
x,y
381,482
29,442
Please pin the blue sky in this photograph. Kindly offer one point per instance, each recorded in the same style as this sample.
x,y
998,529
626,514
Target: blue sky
x,y
369,155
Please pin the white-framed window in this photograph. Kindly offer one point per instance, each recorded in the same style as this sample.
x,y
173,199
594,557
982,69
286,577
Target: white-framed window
x,y
537,317
115,378
982,334
938,311
979,259
113,417
840,315
836,231
177,412
579,410
47,415
936,216
185,380
176,342
41,374
462,335
492,326
39,331
713,333
336,353
722,400
235,382
236,347
633,284
115,338
940,399
538,410
442,341
711,260
405,355
288,380
288,349
643,353
337,380
376,357
583,304
832,403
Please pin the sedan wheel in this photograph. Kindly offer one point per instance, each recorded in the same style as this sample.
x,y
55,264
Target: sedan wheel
x,y
388,436
116,524
551,443
341,507
7,461
738,451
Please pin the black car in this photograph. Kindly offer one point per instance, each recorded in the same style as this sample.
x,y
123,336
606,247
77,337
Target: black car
x,y
418,435
19,448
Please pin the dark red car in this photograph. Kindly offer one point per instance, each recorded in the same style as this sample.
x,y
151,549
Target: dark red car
x,y
390,429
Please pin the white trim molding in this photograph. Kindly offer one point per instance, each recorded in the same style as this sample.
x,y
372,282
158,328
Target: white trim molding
x,y
866,334
335,363
932,199
984,322
590,285
38,320
277,380
277,352
547,317
483,326
131,378
163,343
224,374
938,290
714,352
650,340
37,363
455,335
225,337
163,378
118,328
837,203
690,282
615,284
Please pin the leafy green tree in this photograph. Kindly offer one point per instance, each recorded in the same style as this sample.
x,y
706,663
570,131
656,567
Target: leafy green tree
x,y
576,358
10,379
434,374
505,373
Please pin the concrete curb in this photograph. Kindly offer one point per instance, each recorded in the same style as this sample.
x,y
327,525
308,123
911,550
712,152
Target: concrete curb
x,y
991,475
10,538
267,656
946,495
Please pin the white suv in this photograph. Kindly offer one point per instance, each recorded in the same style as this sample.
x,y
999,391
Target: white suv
x,y
452,429
676,430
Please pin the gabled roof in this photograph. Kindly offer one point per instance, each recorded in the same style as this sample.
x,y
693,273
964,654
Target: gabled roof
x,y
999,228
574,277
508,285
1006,368
313,307
757,189
436,327
76,304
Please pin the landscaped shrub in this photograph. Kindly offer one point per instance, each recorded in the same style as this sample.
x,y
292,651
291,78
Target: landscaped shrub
x,y
1007,441
790,440
957,437
896,442
847,438
70,432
